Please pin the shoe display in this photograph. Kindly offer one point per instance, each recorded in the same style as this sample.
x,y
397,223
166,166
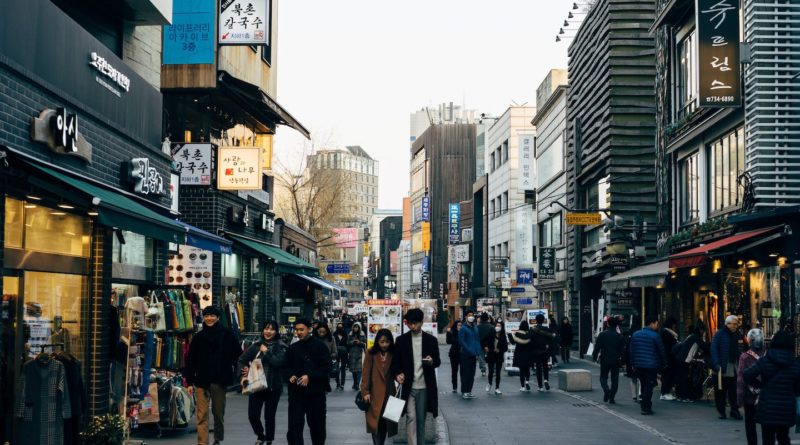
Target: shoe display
x,y
497,392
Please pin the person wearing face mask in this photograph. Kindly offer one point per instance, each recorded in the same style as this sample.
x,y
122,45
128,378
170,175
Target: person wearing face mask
x,y
356,344
209,368
377,386
272,352
469,340
495,348
340,336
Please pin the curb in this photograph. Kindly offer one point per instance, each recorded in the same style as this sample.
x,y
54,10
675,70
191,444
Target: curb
x,y
443,437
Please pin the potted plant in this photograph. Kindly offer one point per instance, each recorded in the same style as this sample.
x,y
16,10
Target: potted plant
x,y
108,429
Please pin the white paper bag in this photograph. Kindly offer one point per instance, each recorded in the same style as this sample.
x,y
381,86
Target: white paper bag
x,y
394,407
256,378
590,349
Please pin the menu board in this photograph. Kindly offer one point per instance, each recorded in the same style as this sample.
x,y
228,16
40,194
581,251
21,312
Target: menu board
x,y
192,267
429,308
532,313
382,314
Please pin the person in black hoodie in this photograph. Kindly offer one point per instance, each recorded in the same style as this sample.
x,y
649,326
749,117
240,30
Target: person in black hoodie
x,y
455,351
495,348
523,357
340,335
541,341
272,352
209,368
565,338
777,375
609,346
669,337
309,362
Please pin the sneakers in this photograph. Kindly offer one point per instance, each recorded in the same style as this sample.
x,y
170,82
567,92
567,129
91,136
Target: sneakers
x,y
488,388
527,386
522,389
612,402
497,392
483,373
667,397
605,396
547,385
455,390
467,396
541,389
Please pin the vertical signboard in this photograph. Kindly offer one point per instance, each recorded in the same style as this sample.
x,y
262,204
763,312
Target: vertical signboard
x,y
455,223
426,236
523,228
463,285
525,178
244,22
426,209
719,77
426,285
452,265
190,38
547,263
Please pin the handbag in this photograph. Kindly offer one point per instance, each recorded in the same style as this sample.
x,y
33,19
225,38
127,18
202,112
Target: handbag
x,y
256,377
394,406
360,402
334,369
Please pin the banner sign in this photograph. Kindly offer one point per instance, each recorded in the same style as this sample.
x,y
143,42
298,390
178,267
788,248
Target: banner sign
x,y
430,311
244,22
383,314
455,223
583,219
192,267
547,263
463,285
524,276
523,228
193,161
426,209
190,38
719,77
525,179
346,238
239,168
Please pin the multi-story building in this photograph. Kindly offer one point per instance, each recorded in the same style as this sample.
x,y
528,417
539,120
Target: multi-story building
x,y
359,176
551,187
443,114
511,218
727,185
391,233
610,149
404,253
374,243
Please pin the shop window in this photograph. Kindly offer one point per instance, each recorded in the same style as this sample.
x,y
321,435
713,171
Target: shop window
x,y
137,250
232,266
690,188
52,312
727,163
45,229
550,231
765,299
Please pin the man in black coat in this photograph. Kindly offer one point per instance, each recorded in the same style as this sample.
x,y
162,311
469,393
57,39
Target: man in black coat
x,y
309,362
609,346
209,367
413,366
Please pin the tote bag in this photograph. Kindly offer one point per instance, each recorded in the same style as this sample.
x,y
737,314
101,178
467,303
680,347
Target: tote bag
x,y
394,407
256,377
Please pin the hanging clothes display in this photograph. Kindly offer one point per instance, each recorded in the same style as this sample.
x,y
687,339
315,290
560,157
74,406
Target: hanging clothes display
x,y
78,399
43,402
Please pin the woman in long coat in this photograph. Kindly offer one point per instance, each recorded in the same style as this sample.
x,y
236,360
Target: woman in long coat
x,y
356,345
523,354
377,385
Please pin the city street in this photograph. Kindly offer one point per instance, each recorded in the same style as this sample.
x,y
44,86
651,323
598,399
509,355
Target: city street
x,y
515,417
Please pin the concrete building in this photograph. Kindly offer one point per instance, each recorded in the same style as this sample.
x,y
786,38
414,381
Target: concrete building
x,y
511,221
551,122
442,114
360,180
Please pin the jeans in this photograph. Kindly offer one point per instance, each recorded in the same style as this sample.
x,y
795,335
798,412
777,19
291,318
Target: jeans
x,y
541,369
750,424
357,379
494,370
482,360
467,372
416,409
565,353
268,401
306,408
454,362
605,370
214,396
636,388
524,375
769,434
648,379
729,390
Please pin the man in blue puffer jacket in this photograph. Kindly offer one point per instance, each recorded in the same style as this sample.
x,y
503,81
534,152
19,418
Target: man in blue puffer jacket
x,y
648,357
469,340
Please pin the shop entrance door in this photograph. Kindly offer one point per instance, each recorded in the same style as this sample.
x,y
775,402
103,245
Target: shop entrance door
x,y
11,349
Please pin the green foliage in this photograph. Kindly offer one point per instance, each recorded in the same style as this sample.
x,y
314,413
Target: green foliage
x,y
701,229
108,429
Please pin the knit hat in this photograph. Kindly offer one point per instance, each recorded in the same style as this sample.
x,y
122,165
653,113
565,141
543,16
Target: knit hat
x,y
212,310
782,340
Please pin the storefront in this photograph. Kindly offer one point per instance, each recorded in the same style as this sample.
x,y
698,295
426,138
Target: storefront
x,y
638,293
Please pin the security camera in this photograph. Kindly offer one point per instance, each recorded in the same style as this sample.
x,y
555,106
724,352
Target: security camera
x,y
96,201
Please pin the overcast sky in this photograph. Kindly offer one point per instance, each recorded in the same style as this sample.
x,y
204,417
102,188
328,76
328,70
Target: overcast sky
x,y
353,70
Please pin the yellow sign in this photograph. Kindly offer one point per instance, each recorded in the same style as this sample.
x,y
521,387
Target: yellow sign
x,y
265,142
345,276
426,236
583,219
292,319
366,249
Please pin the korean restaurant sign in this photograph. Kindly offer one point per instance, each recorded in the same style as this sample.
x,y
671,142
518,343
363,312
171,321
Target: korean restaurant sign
x,y
244,22
719,74
193,161
239,168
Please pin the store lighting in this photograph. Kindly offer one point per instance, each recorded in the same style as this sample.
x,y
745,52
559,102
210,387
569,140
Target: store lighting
x,y
740,262
30,206
55,213
33,197
782,261
717,265
693,272
93,212
752,263
773,255
65,206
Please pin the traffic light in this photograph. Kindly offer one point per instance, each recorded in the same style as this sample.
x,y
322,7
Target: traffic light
x,y
613,223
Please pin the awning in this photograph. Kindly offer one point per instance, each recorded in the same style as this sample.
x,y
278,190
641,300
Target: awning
x,y
317,282
258,103
647,275
116,209
205,240
285,262
699,255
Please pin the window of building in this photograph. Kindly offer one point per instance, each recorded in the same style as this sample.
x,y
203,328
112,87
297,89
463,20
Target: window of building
x,y
505,202
686,88
231,266
137,250
727,163
598,195
504,148
491,163
550,231
690,188
491,209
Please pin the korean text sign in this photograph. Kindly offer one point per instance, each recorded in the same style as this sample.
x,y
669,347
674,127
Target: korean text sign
x,y
190,38
719,74
525,180
455,223
547,263
244,22
194,163
239,168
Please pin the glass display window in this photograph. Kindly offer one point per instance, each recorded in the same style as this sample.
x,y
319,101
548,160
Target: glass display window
x,y
136,250
232,266
765,299
53,312
30,226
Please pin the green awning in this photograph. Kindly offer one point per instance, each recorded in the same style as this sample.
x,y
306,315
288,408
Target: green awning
x,y
285,262
117,210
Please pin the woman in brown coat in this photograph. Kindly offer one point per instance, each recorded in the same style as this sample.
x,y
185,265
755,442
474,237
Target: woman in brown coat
x,y
377,385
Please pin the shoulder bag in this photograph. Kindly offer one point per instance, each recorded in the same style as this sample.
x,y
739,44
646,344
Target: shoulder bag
x,y
360,402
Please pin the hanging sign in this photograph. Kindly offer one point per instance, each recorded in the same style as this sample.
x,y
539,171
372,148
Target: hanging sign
x,y
190,37
525,180
193,161
244,22
583,219
426,208
239,168
719,77
547,263
455,223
